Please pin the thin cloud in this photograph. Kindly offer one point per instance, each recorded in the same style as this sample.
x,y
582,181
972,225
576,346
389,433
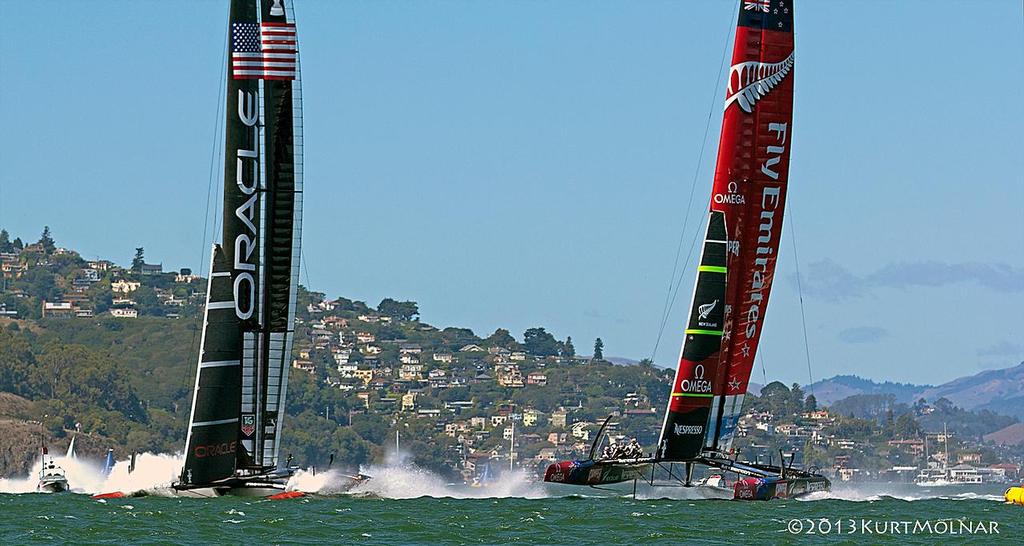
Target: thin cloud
x,y
830,281
863,334
1002,348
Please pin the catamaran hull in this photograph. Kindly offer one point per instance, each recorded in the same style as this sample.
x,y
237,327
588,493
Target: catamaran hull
x,y
779,488
254,488
595,472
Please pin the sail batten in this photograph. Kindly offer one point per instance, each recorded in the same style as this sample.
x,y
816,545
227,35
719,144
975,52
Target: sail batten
x,y
747,203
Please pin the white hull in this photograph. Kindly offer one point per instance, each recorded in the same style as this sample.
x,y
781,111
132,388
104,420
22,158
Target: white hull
x,y
54,485
934,483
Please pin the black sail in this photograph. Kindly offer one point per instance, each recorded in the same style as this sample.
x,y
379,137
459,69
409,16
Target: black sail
x,y
241,380
692,401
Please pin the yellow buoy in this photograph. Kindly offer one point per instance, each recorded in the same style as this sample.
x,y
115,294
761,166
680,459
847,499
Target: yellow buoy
x,y
1015,495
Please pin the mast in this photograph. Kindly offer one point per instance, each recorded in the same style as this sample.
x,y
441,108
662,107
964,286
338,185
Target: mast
x,y
741,244
945,450
239,395
512,447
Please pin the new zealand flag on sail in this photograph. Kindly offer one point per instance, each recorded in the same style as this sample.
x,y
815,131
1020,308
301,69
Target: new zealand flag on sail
x,y
767,15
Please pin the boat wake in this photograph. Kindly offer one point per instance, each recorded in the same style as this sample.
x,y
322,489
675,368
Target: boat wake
x,y
407,481
876,494
153,474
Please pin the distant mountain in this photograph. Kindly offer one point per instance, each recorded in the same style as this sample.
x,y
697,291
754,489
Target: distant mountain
x,y
1001,391
1011,436
836,388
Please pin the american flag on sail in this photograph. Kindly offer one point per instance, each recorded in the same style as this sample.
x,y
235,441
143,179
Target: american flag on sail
x,y
266,51
755,5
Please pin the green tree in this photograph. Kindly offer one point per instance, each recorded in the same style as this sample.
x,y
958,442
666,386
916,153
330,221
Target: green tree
x,y
139,259
568,350
147,302
5,241
538,341
797,394
18,245
401,310
46,241
811,403
501,338
598,349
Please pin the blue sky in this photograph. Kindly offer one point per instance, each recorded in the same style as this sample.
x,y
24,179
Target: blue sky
x,y
519,164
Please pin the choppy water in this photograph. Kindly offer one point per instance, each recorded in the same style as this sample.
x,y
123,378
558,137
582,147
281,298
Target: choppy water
x,y
550,520
407,506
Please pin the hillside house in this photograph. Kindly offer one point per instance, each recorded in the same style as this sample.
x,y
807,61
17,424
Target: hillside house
x,y
1009,471
968,458
537,378
365,375
410,372
62,309
409,358
410,349
122,286
365,337
509,376
124,312
409,401
471,348
335,322
557,438
186,276
581,430
304,365
151,269
341,356
444,358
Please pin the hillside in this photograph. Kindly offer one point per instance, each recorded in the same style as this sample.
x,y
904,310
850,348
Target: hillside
x,y
829,391
121,368
1000,391
1012,435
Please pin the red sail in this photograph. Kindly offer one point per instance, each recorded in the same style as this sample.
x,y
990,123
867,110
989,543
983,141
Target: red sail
x,y
741,244
750,189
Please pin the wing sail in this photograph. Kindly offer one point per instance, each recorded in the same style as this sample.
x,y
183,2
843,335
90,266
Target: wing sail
x,y
747,201
750,190
692,400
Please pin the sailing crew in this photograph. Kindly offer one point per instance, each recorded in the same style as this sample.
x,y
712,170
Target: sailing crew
x,y
633,450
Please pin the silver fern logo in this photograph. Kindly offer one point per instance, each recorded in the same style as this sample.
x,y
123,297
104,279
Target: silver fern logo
x,y
750,81
705,310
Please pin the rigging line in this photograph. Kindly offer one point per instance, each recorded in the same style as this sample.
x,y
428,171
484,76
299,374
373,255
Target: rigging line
x,y
800,293
215,152
764,373
670,293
